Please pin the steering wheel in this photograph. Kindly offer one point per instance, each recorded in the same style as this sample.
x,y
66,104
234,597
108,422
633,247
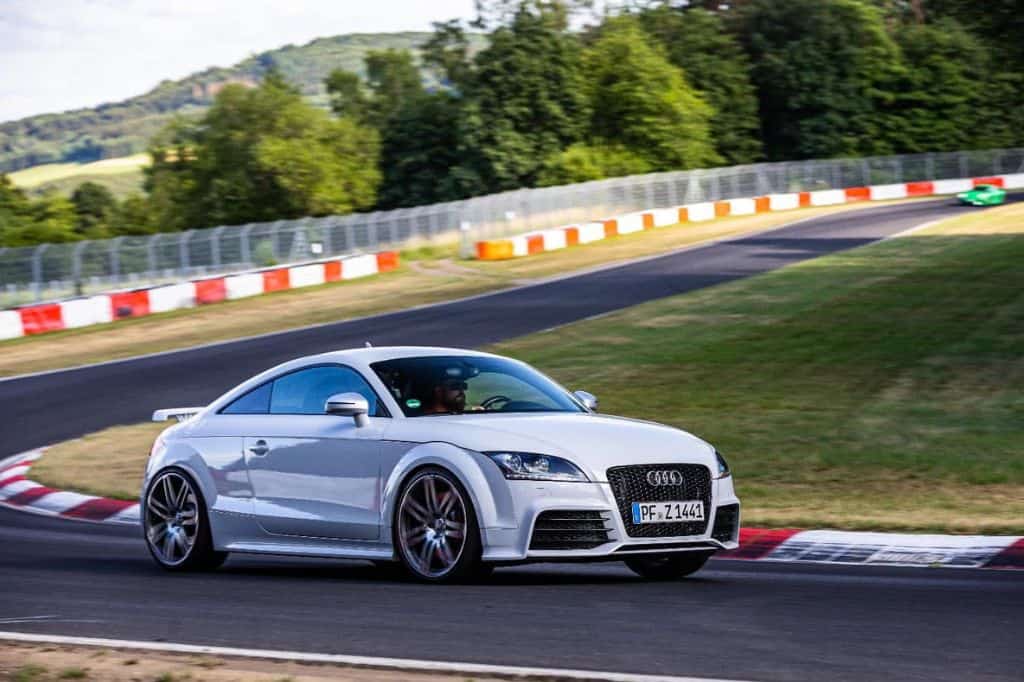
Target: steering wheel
x,y
494,400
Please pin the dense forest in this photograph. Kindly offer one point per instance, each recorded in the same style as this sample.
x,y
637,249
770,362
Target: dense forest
x,y
545,92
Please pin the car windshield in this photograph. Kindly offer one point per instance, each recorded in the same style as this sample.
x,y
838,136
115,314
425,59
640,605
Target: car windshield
x,y
470,385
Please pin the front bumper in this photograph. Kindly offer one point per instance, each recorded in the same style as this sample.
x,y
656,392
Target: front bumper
x,y
530,498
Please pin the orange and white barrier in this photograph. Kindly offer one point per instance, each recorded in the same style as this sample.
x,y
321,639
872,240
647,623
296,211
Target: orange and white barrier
x,y
561,237
103,308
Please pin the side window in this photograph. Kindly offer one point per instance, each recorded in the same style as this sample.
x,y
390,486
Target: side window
x,y
306,391
256,401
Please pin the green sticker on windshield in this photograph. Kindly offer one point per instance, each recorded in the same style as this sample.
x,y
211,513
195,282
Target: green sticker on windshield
x,y
412,403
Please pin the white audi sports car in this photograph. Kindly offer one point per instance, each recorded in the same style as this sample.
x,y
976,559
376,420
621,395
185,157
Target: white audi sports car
x,y
446,461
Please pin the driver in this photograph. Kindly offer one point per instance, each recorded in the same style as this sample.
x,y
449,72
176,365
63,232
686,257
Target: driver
x,y
448,396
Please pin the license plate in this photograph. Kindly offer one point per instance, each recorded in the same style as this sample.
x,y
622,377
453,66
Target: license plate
x,y
667,512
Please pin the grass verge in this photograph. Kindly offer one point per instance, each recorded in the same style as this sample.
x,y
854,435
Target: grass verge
x,y
428,275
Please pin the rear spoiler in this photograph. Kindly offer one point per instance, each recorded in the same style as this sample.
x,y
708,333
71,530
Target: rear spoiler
x,y
179,413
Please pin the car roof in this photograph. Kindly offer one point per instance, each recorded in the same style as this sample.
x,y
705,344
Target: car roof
x,y
365,356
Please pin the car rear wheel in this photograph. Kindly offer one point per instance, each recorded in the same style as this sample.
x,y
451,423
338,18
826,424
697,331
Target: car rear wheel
x,y
435,531
176,525
668,566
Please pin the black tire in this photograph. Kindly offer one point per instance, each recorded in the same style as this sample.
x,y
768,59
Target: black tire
x,y
200,556
466,564
668,566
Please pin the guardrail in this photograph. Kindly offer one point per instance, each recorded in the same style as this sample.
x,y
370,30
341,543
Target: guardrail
x,y
53,271
553,239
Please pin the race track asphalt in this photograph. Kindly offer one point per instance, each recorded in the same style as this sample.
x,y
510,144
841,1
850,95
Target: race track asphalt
x,y
739,620
733,620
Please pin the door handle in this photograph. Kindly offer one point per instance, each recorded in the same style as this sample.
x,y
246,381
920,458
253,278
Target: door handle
x,y
260,448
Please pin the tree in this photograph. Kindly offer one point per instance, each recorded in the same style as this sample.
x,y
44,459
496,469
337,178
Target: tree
x,y
261,154
394,79
713,61
525,100
826,72
133,216
958,92
582,162
447,51
14,207
348,95
49,219
999,23
419,148
641,102
94,207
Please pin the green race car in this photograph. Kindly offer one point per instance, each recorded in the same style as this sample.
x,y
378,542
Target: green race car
x,y
983,195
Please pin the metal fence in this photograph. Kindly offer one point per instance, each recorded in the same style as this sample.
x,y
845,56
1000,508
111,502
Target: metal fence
x,y
52,271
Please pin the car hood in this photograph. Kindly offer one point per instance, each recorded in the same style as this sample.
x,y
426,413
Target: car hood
x,y
591,441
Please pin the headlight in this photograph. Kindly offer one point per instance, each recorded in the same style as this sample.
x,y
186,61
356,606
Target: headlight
x,y
533,467
723,466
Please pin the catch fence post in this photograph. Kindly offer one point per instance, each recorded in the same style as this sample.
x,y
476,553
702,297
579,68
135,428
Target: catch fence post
x,y
245,246
183,256
215,245
115,259
37,271
76,266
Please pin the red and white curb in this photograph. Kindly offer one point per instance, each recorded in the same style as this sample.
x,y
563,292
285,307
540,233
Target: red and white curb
x,y
540,241
17,491
117,305
884,549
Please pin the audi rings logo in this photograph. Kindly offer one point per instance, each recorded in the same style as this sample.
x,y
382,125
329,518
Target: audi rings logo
x,y
667,477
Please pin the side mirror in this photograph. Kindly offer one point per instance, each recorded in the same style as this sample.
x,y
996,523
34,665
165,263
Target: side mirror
x,y
589,400
349,405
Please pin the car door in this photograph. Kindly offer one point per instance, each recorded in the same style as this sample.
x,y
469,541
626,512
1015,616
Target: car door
x,y
314,474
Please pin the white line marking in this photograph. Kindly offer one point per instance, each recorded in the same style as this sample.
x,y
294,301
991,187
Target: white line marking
x,y
356,661
438,304
24,619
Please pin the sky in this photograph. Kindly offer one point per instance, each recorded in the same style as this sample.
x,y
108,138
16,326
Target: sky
x,y
66,54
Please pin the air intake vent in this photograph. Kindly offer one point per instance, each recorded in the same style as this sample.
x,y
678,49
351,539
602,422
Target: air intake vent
x,y
727,521
569,529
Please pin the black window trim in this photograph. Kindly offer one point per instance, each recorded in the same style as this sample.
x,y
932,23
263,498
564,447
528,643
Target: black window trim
x,y
380,403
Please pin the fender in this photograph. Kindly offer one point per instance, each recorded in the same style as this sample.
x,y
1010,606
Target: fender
x,y
487,488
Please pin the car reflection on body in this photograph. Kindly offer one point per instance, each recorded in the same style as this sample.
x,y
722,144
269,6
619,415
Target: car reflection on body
x,y
446,461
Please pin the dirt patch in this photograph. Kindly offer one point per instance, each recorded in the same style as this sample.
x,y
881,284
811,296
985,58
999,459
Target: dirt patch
x,y
45,662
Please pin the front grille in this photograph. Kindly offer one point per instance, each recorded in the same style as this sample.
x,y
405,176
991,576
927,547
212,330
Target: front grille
x,y
629,484
727,521
569,529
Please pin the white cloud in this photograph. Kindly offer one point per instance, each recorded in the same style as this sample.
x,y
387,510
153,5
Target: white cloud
x,y
64,54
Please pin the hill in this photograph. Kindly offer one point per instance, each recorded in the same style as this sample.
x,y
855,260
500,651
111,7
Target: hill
x,y
123,128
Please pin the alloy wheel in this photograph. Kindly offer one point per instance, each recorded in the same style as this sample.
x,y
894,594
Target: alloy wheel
x,y
432,525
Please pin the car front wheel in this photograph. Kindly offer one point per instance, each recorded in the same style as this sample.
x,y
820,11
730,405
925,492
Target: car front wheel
x,y
435,532
668,566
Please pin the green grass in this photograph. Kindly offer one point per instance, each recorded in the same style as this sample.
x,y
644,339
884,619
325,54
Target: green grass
x,y
122,176
878,388
28,673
